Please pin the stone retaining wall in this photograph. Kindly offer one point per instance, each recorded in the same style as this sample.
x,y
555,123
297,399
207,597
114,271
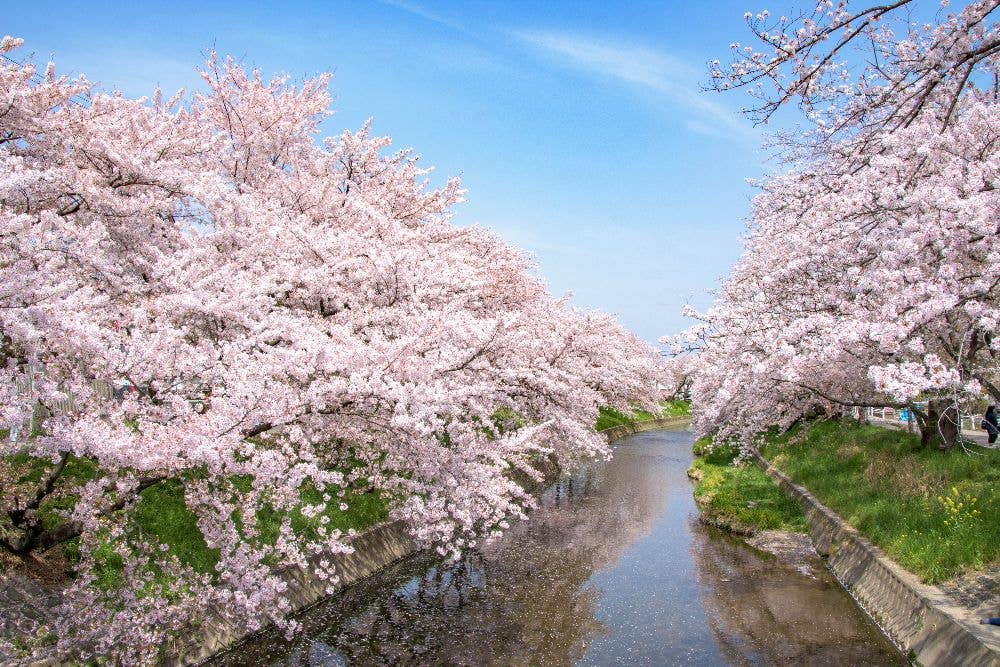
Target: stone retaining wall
x,y
919,618
374,549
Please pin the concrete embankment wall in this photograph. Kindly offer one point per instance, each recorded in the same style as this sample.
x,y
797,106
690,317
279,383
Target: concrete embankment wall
x,y
374,549
619,432
919,618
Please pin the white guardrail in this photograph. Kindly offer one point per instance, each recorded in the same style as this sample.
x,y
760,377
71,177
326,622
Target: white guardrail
x,y
905,416
25,384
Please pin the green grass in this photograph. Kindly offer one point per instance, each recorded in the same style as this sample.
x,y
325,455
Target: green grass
x,y
935,513
676,409
162,515
609,417
739,496
363,510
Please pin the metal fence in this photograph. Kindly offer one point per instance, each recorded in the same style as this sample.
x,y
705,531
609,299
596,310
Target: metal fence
x,y
65,404
904,416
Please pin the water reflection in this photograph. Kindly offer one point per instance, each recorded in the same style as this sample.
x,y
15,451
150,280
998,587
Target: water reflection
x,y
612,568
764,613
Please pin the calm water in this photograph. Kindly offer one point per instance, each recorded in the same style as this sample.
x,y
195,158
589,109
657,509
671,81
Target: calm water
x,y
613,568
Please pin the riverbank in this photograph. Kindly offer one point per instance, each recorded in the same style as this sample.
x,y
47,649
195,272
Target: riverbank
x,y
162,513
935,513
613,567
893,520
917,521
739,496
862,487
609,418
375,549
921,619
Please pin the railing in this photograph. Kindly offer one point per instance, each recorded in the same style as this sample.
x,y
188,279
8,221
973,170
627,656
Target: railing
x,y
25,384
905,416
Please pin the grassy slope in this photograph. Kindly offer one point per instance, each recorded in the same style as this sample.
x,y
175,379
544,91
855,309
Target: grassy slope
x,y
936,514
610,417
161,511
162,514
740,497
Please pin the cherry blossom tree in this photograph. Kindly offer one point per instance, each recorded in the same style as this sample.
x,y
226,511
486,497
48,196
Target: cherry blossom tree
x,y
301,323
869,275
846,299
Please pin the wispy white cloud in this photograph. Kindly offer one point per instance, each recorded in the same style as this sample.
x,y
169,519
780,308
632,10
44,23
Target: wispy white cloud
x,y
626,62
654,70
417,10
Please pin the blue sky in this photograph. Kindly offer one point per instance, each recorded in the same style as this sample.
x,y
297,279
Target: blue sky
x,y
579,128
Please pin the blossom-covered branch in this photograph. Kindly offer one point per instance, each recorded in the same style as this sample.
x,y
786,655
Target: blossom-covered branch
x,y
871,272
298,320
856,69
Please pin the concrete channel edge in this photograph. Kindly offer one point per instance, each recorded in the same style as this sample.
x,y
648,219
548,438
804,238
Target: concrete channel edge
x,y
623,430
374,550
917,617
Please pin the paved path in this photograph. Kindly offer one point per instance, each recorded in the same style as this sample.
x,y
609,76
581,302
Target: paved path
x,y
975,435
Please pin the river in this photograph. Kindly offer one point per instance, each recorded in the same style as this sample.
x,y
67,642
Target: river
x,y
612,568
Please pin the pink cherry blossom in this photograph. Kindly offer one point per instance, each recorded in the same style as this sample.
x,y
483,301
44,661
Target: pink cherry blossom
x,y
870,275
295,313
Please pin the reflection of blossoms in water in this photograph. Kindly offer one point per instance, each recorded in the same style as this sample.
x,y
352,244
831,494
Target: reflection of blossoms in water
x,y
604,570
765,612
524,599
611,508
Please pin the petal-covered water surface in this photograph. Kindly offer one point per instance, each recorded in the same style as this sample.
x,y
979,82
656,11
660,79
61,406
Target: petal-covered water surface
x,y
613,568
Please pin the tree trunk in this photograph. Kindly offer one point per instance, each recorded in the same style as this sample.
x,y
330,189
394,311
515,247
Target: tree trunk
x,y
940,429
